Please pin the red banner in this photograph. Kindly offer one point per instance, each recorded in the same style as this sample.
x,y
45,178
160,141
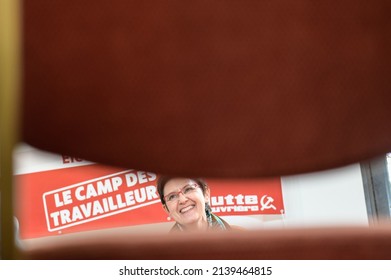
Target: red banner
x,y
92,197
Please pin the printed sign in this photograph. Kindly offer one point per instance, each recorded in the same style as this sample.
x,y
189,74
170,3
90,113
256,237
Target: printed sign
x,y
99,198
84,198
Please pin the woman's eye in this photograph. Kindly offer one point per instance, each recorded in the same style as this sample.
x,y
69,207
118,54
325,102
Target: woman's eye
x,y
188,189
172,197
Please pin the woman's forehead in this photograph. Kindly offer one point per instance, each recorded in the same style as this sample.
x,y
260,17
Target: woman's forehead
x,y
176,183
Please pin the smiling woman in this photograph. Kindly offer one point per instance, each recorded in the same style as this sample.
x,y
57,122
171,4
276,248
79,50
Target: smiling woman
x,y
186,201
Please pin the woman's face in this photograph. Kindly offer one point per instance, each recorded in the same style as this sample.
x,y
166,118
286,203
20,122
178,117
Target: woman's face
x,y
188,206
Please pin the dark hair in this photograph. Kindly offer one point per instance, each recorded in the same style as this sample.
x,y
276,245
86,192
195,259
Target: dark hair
x,y
162,181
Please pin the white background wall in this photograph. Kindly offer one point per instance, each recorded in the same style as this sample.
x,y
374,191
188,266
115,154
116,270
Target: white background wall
x,y
332,197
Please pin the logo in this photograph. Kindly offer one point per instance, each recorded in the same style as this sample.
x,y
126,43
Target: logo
x,y
240,203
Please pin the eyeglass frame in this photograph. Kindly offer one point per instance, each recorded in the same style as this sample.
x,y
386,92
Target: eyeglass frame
x,y
181,192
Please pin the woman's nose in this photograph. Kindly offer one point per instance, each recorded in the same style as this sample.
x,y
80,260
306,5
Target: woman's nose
x,y
182,197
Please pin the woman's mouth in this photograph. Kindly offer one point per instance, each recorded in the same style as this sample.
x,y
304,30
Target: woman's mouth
x,y
186,209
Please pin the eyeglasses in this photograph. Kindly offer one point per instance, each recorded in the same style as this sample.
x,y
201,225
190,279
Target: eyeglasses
x,y
186,190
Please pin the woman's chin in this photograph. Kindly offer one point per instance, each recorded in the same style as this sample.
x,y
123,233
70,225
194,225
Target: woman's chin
x,y
190,220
